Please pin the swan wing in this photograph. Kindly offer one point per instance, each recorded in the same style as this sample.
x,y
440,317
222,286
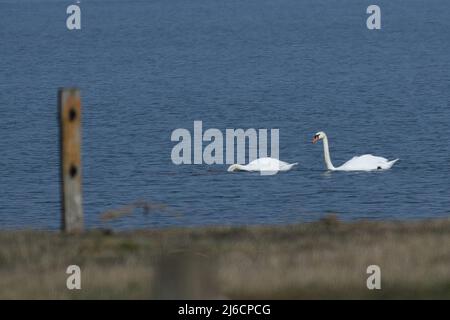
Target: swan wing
x,y
267,164
367,162
287,166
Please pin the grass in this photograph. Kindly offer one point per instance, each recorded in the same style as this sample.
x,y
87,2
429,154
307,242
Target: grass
x,y
326,259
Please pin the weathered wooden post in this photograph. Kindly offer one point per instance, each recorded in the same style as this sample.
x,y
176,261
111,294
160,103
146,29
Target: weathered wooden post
x,y
69,108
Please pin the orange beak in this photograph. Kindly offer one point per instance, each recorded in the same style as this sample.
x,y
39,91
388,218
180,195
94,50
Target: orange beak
x,y
315,139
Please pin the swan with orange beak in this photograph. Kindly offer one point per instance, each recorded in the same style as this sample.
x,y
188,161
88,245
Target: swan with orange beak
x,y
366,162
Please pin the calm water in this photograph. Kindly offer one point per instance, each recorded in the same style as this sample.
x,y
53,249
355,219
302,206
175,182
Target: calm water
x,y
148,67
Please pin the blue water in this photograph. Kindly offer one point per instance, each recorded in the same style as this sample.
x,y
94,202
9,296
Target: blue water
x,y
146,68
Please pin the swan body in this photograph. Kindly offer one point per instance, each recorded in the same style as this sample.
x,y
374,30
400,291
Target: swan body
x,y
365,162
263,165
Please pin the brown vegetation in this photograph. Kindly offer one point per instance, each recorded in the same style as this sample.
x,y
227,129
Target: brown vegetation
x,y
327,259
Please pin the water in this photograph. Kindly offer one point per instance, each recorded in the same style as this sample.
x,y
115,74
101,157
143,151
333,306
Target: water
x,y
146,68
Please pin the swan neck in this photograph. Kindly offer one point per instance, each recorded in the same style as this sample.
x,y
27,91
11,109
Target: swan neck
x,y
235,167
326,154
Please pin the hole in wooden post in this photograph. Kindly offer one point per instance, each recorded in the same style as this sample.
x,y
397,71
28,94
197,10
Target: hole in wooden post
x,y
73,171
72,114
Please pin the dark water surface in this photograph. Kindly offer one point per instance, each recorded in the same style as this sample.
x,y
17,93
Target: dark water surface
x,y
146,68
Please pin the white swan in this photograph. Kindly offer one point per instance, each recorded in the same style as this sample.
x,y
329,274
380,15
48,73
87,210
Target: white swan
x,y
365,162
264,165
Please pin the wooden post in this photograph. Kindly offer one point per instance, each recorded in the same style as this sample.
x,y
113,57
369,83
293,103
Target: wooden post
x,y
69,107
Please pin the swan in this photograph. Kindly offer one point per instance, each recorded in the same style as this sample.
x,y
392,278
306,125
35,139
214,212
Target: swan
x,y
264,165
365,162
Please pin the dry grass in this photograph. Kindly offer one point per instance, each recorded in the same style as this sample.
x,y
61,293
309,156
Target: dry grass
x,y
327,259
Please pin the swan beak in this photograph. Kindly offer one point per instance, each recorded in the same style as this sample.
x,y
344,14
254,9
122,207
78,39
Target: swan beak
x,y
315,139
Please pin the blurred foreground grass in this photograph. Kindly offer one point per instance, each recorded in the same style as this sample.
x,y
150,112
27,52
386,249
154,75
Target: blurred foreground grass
x,y
326,259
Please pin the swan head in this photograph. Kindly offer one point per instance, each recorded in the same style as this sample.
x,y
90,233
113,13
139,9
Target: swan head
x,y
318,136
